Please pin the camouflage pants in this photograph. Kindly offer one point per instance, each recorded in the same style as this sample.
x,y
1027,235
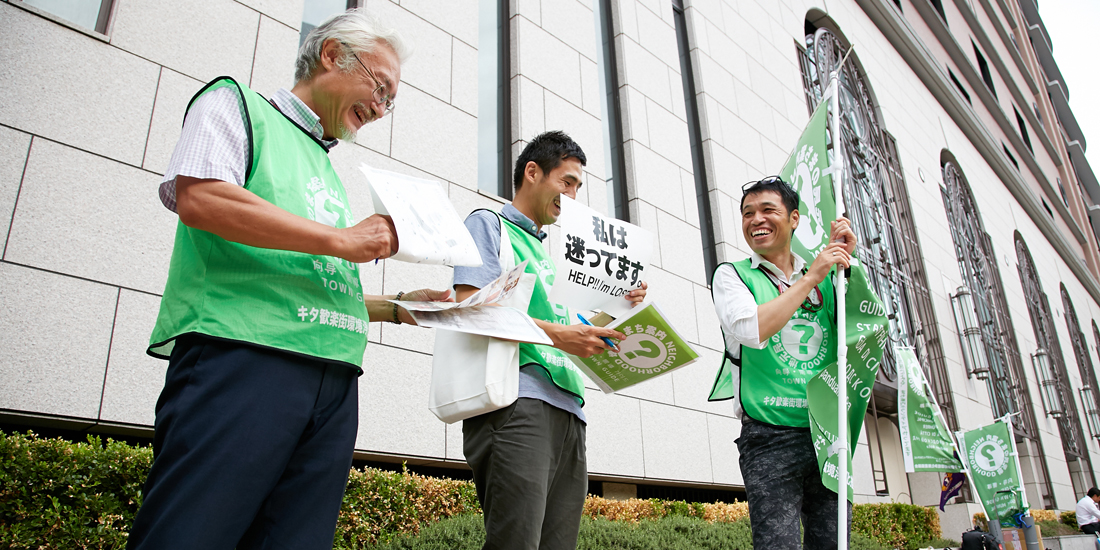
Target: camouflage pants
x,y
783,485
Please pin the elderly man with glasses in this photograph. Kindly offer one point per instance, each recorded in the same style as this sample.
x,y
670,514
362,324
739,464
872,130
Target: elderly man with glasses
x,y
263,320
777,316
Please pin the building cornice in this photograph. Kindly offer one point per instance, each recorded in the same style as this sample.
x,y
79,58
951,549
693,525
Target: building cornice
x,y
1010,83
932,18
905,41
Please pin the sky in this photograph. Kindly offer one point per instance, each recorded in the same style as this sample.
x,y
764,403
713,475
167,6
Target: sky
x,y
1072,28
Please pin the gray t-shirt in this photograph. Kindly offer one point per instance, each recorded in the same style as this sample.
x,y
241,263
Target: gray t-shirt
x,y
484,225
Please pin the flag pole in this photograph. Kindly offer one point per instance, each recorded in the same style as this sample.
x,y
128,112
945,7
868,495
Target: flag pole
x,y
841,325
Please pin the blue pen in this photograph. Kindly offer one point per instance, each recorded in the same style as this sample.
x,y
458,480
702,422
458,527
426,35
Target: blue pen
x,y
606,340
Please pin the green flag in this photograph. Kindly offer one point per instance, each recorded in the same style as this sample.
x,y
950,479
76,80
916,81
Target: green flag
x,y
925,442
989,453
804,170
866,338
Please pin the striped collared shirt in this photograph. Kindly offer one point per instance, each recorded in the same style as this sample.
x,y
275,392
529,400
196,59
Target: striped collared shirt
x,y
214,141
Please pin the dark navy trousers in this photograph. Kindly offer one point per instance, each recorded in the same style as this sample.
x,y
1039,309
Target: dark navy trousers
x,y
252,450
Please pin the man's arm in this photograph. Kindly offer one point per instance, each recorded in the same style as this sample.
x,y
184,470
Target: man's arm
x,y
236,214
579,340
773,315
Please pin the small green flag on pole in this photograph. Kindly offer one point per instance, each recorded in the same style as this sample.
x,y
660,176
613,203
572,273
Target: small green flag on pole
x,y
805,171
990,455
926,444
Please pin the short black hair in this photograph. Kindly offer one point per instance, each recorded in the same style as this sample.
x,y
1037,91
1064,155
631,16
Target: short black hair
x,y
1094,492
772,183
547,150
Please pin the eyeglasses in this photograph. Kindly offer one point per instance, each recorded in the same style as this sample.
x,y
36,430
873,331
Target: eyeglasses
x,y
386,99
766,181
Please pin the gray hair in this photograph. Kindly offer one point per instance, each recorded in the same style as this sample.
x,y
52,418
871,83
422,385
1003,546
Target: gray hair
x,y
356,28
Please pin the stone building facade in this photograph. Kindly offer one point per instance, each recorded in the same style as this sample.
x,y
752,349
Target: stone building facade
x,y
970,173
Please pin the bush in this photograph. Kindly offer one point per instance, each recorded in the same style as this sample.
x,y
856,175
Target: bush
x,y
57,494
634,510
896,525
463,532
1056,529
1069,518
379,505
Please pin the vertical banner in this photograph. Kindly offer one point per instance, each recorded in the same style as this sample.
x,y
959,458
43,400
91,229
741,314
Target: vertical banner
x,y
926,444
866,336
989,453
804,170
598,260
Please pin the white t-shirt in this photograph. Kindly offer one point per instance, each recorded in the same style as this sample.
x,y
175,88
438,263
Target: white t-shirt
x,y
1087,511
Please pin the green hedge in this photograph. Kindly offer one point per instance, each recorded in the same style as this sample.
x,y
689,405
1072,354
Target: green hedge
x,y
897,525
58,494
673,532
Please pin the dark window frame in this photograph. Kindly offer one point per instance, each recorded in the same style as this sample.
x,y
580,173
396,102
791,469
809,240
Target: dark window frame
x,y
618,197
983,68
1023,129
1046,337
702,188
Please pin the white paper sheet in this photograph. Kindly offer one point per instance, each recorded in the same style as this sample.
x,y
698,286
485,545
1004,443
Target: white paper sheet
x,y
598,260
499,290
429,230
496,321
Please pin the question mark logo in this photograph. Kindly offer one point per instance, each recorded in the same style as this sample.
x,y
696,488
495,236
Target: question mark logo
x,y
989,456
642,351
651,350
801,338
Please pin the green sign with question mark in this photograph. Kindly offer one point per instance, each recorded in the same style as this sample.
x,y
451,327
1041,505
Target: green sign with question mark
x,y
989,453
652,348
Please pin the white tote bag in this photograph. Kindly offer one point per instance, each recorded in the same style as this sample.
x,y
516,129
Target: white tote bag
x,y
474,374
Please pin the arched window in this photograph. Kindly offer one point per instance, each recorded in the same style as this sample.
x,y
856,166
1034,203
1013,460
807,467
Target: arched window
x,y
978,265
878,205
1084,361
1042,322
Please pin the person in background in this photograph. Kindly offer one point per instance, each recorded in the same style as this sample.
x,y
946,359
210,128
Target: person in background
x,y
1088,515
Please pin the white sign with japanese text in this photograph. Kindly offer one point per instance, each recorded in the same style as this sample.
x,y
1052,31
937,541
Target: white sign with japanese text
x,y
598,260
429,230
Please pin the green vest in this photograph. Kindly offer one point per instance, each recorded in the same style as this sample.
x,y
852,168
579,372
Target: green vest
x,y
290,301
772,385
563,373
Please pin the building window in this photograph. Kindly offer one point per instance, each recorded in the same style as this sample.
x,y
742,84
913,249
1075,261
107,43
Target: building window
x,y
1023,129
315,12
1042,322
610,111
1011,158
938,4
1081,352
1038,115
1062,192
1047,207
90,14
702,189
958,85
978,265
878,205
494,122
984,68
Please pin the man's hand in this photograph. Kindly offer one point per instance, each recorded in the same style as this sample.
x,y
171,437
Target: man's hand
x,y
379,309
579,340
370,239
840,231
842,243
422,295
637,295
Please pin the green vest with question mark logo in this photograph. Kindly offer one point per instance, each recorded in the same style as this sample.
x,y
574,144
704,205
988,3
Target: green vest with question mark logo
x,y
773,379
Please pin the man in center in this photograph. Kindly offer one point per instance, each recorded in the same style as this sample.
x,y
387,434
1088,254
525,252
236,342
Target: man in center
x,y
757,298
528,458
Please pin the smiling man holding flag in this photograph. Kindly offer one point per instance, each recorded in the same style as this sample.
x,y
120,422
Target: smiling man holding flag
x,y
784,333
